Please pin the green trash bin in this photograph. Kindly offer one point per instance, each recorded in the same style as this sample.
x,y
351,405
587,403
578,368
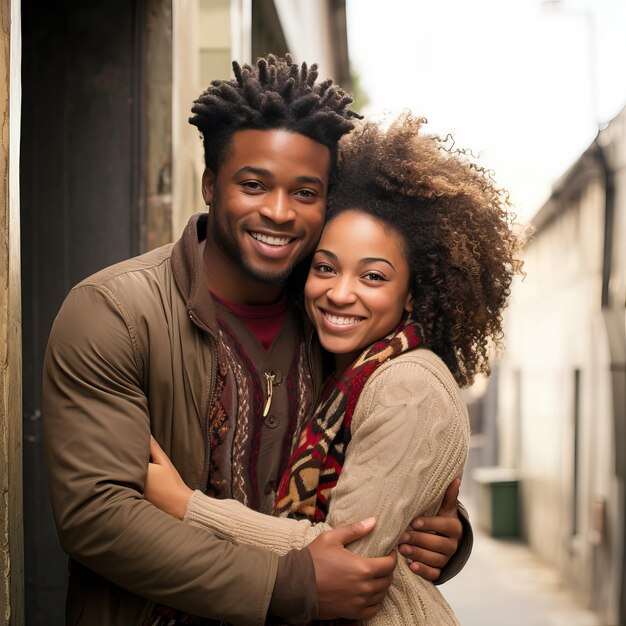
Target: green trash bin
x,y
498,501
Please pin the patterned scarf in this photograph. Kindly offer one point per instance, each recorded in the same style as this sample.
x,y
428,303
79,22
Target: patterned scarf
x,y
315,466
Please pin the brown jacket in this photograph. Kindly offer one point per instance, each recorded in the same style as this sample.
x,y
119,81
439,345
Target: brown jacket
x,y
132,351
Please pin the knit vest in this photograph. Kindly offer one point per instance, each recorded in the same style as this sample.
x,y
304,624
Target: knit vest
x,y
261,401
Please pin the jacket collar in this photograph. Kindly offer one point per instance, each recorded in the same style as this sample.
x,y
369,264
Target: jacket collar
x,y
189,277
189,274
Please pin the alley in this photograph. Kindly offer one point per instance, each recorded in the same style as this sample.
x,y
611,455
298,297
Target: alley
x,y
505,584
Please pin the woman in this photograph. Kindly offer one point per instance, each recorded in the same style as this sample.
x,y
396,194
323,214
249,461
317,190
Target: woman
x,y
406,289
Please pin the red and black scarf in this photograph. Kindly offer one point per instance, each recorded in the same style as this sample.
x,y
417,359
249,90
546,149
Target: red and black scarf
x,y
315,466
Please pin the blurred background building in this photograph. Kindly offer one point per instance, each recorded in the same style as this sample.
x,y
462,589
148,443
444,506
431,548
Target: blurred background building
x,y
561,388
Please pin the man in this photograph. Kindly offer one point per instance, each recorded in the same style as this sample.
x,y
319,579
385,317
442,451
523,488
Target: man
x,y
203,344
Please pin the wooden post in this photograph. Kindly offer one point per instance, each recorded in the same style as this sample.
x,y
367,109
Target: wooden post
x,y
11,535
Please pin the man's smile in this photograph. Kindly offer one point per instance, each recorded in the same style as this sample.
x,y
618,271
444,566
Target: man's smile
x,y
271,240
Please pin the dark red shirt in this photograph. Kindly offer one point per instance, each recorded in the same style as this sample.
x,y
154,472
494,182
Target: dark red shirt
x,y
263,320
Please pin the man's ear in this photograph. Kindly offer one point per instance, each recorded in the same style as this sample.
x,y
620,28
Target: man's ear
x,y
208,186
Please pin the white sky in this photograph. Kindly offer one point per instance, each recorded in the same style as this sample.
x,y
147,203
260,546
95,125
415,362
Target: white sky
x,y
509,79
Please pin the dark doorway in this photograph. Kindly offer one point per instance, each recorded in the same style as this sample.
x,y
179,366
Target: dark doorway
x,y
81,169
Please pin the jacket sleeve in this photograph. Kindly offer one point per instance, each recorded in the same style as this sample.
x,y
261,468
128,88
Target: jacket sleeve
x,y
96,432
409,442
459,558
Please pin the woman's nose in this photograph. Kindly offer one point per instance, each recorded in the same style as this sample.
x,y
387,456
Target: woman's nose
x,y
342,292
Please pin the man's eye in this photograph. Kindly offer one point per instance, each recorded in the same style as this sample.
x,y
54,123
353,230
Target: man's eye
x,y
252,185
306,193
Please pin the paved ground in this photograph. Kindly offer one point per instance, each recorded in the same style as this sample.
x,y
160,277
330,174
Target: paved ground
x,y
504,584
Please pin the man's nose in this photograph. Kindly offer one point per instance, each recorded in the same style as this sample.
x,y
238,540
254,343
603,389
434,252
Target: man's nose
x,y
278,207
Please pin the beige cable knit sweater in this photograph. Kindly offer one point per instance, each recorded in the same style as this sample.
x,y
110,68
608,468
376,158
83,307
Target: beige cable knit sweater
x,y
410,435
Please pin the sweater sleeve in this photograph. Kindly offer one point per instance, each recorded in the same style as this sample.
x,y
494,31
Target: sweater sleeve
x,y
409,442
234,521
410,439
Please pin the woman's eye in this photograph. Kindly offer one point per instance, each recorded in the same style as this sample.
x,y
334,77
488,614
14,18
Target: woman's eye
x,y
373,277
323,268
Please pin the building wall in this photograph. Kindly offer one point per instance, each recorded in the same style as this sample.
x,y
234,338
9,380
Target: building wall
x,y
94,191
202,45
11,539
316,32
156,148
613,140
556,411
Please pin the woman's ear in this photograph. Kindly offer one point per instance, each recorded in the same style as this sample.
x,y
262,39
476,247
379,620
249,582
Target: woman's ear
x,y
408,306
208,186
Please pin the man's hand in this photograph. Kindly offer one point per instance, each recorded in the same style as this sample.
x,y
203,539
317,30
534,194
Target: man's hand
x,y
349,585
430,542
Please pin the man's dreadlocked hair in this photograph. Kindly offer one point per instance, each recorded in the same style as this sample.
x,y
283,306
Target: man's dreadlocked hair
x,y
274,94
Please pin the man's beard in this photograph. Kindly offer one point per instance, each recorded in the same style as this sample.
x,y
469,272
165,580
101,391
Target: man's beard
x,y
227,243
267,278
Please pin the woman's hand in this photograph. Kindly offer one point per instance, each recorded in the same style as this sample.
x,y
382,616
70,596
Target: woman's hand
x,y
164,487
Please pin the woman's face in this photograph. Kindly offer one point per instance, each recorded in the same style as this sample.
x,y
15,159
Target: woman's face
x,y
358,284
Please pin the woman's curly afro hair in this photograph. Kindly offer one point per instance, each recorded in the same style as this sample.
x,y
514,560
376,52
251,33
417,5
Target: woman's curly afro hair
x,y
457,230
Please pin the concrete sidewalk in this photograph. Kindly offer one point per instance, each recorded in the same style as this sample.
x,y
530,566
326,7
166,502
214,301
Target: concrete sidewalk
x,y
505,584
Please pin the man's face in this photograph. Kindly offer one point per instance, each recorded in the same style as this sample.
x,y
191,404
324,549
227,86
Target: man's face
x,y
268,203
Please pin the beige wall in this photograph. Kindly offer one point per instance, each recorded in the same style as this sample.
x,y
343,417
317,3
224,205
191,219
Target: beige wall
x,y
206,34
613,139
214,40
11,556
157,146
306,27
554,327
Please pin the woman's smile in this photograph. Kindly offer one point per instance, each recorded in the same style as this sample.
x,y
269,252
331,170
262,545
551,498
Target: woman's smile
x,y
341,321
